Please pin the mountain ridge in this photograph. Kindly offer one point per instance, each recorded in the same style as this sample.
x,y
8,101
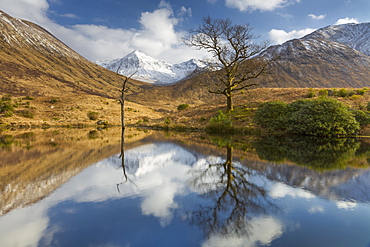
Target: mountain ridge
x,y
322,59
34,62
151,70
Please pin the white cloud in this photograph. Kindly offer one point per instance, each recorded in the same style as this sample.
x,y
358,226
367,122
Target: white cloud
x,y
316,209
346,205
346,20
69,15
262,232
280,190
263,5
317,17
280,36
33,10
157,36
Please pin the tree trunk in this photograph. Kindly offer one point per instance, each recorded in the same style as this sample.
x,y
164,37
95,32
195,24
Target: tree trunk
x,y
230,106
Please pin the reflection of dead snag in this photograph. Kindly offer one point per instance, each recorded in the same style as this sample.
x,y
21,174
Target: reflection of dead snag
x,y
123,90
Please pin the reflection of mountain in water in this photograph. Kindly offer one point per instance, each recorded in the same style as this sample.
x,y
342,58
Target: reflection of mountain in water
x,y
327,167
349,184
145,159
229,201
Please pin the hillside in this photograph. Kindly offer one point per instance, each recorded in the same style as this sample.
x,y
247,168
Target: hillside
x,y
34,62
50,84
334,56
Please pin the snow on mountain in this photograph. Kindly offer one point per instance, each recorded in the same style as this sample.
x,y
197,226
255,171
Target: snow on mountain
x,y
151,70
356,36
20,33
334,56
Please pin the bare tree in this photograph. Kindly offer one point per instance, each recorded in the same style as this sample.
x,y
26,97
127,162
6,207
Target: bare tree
x,y
235,53
121,100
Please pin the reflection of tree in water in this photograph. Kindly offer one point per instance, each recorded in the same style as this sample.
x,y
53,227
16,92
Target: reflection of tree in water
x,y
317,153
234,197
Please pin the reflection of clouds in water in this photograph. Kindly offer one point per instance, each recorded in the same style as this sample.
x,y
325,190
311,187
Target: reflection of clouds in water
x,y
146,158
316,209
263,231
280,190
157,186
24,226
160,191
346,205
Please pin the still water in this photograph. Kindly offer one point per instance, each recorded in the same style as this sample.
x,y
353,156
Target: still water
x,y
65,188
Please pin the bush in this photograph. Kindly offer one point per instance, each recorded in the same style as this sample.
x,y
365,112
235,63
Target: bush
x,y
93,115
167,120
361,117
311,93
321,117
271,115
183,107
7,98
316,117
220,123
27,113
323,92
53,101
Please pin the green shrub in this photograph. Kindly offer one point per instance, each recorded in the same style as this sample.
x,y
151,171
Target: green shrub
x,y
93,115
8,113
27,113
29,98
7,98
321,117
183,107
167,120
272,115
323,92
311,93
344,93
220,123
6,106
361,91
53,100
361,117
316,117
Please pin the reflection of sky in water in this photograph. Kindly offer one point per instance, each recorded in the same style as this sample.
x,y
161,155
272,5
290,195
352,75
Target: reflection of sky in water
x,y
154,208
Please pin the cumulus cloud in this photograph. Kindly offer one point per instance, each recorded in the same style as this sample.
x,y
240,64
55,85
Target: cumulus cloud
x,y
262,232
33,10
281,190
280,36
346,21
157,35
263,5
317,17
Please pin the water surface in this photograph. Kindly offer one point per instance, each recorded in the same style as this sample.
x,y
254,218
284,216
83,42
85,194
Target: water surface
x,y
178,190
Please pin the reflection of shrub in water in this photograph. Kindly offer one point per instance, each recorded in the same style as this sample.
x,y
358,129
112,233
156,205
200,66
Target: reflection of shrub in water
x,y
6,141
317,153
93,134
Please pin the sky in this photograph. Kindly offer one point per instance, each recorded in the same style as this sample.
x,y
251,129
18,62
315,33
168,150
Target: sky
x,y
110,29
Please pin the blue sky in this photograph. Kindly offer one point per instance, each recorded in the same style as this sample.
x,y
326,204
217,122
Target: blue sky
x,y
109,29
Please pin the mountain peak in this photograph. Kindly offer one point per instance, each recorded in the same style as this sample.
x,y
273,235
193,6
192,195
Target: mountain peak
x,y
151,70
353,35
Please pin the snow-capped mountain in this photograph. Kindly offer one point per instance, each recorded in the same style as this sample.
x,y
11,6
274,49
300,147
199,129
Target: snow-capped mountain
x,y
353,35
334,56
151,70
